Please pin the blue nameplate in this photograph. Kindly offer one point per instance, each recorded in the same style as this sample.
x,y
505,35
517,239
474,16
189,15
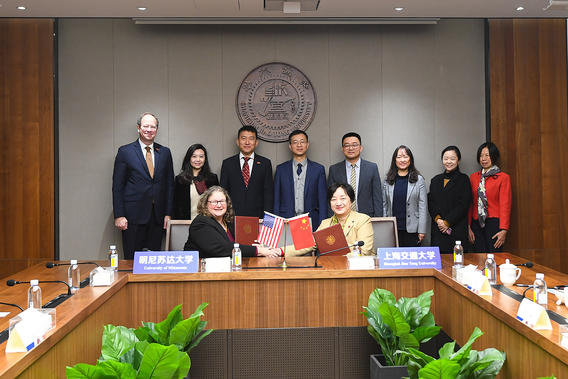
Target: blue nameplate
x,y
165,262
409,257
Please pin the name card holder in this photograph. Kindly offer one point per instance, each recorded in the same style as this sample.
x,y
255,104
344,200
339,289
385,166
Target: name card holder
x,y
165,262
29,328
361,263
533,315
217,264
478,283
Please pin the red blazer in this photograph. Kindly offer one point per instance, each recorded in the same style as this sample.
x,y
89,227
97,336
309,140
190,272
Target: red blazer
x,y
499,197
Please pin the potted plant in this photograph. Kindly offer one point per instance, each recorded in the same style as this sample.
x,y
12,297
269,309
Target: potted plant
x,y
398,326
153,351
462,364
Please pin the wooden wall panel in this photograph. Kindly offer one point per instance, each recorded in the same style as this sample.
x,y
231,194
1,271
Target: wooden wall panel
x,y
27,154
527,64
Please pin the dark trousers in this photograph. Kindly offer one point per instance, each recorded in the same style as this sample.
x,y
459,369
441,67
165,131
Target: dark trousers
x,y
406,239
143,236
484,243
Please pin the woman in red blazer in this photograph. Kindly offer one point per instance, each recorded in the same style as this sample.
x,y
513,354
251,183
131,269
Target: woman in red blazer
x,y
490,210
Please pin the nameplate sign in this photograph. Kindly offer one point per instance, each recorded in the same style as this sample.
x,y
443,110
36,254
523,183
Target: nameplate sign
x,y
478,283
165,262
409,257
533,315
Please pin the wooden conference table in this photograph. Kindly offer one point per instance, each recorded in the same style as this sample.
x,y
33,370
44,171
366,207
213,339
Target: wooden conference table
x,y
273,298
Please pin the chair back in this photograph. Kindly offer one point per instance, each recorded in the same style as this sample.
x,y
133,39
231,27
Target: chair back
x,y
177,232
384,232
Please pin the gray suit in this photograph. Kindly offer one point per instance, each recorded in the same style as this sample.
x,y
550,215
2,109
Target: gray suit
x,y
416,205
369,193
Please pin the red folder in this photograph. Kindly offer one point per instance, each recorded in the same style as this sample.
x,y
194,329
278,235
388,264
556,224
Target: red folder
x,y
246,230
331,238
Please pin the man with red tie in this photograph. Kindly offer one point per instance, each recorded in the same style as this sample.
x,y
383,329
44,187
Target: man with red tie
x,y
248,177
143,189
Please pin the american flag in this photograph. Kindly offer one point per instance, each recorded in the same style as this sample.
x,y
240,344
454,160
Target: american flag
x,y
270,230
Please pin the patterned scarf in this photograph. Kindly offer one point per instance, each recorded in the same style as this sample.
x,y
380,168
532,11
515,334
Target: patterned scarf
x,y
481,196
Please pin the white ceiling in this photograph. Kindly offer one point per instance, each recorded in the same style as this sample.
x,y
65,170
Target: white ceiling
x,y
255,8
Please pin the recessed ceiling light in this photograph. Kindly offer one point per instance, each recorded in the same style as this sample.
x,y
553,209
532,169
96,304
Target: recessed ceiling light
x,y
142,9
22,8
520,8
399,9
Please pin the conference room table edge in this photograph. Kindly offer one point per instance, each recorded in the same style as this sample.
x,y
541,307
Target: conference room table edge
x,y
14,364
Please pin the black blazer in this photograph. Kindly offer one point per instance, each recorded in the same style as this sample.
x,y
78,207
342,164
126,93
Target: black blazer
x,y
258,196
208,237
182,201
451,203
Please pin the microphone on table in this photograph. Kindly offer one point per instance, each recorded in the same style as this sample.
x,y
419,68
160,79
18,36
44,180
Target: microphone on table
x,y
53,264
12,305
12,282
358,243
527,264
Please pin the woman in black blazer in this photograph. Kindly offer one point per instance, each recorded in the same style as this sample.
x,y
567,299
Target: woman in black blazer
x,y
212,231
194,179
448,202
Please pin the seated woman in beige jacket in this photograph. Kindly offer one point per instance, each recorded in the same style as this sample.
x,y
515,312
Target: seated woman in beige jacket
x,y
356,226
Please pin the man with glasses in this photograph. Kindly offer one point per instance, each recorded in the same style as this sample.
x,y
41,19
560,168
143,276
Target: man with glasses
x,y
143,189
299,184
362,175
247,177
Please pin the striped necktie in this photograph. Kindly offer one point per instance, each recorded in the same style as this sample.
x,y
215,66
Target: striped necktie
x,y
246,171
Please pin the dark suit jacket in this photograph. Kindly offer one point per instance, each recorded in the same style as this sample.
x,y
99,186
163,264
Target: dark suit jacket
x,y
182,201
208,237
451,203
370,192
134,191
258,196
315,192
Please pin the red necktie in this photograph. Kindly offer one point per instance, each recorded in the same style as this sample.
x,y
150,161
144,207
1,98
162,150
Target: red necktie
x,y
246,172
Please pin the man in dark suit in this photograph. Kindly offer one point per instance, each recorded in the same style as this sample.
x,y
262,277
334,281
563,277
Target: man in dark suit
x,y
299,184
142,189
362,175
248,177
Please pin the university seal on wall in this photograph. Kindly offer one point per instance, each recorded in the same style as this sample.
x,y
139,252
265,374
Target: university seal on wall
x,y
276,98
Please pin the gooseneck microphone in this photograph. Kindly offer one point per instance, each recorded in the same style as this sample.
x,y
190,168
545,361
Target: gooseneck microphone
x,y
12,282
527,264
358,243
12,305
53,264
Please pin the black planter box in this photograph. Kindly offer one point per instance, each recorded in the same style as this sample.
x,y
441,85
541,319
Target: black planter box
x,y
380,371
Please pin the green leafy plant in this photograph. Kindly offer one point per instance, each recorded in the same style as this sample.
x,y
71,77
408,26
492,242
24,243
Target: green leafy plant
x,y
399,325
462,364
153,351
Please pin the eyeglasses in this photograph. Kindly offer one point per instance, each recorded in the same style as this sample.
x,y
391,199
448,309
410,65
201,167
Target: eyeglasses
x,y
352,146
217,202
302,142
151,127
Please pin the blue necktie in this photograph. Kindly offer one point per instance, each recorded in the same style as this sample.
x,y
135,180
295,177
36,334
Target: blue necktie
x,y
299,170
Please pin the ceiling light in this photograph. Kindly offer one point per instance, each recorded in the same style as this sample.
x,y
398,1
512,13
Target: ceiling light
x,y
399,9
142,9
22,8
520,8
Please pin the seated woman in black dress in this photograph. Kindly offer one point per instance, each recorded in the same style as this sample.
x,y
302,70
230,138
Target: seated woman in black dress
x,y
194,179
211,232
448,202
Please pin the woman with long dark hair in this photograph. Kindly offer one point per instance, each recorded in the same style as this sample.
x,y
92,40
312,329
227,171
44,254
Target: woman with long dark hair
x,y
194,179
490,210
405,198
448,202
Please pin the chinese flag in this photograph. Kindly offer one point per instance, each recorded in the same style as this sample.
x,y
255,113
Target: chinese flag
x,y
301,231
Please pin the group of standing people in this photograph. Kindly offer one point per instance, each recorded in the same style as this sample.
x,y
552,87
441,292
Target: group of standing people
x,y
146,195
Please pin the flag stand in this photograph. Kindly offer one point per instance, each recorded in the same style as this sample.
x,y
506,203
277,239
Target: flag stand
x,y
284,264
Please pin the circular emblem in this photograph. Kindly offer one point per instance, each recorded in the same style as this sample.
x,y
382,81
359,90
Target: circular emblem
x,y
247,229
330,240
277,99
